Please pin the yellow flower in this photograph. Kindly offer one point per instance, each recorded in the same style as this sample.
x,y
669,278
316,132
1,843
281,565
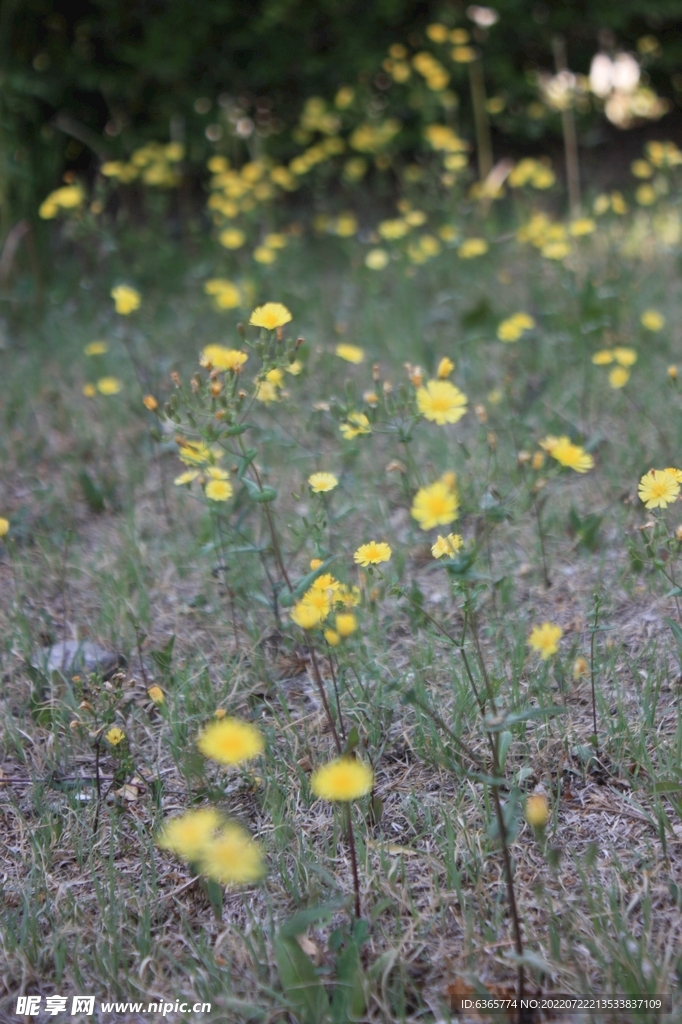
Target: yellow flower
x,y
306,615
645,195
295,368
445,368
441,402
672,371
275,240
472,247
346,624
351,353
581,669
218,490
658,488
188,834
126,299
222,358
315,563
618,377
555,250
194,453
376,259
270,316
321,482
156,694
568,454
149,402
545,639
332,637
652,320
275,376
225,293
537,810
4,527
447,545
603,357
230,741
108,385
114,736
96,348
232,238
232,858
625,356
357,423
435,505
514,326
324,582
266,391
347,596
262,254
89,390
343,779
186,478
372,553
582,226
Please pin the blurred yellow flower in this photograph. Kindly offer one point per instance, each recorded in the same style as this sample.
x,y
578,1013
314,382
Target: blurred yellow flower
x,y
262,254
582,226
186,478
270,316
126,299
652,320
343,779
232,858
545,639
218,490
618,377
435,505
356,424
109,385
149,402
230,741
222,358
351,353
226,295
567,454
449,545
372,553
321,482
514,326
472,247
376,259
89,390
4,527
188,834
346,624
445,368
232,238
537,810
156,694
96,348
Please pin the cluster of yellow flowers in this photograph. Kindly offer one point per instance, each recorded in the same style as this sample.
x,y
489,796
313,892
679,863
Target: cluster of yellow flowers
x,y
531,172
68,197
515,326
155,164
619,375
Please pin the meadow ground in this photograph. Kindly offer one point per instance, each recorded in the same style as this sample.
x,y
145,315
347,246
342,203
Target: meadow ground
x,y
103,546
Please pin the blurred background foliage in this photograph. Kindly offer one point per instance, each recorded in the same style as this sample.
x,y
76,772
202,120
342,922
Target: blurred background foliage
x,y
88,80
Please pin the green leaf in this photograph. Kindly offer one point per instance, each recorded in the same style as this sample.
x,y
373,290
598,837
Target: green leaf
x,y
297,924
352,741
236,428
503,748
500,723
259,494
245,461
300,981
93,495
163,658
348,1000
677,633
214,892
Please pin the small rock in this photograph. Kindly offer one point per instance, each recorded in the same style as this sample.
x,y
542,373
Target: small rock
x,y
74,657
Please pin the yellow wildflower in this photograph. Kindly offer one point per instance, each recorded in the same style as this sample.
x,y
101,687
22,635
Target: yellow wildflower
x,y
114,736
537,810
270,316
372,553
343,779
435,505
96,348
321,482
441,402
351,353
222,358
652,320
356,423
230,741
108,385
232,858
449,545
659,488
545,639
188,834
218,490
126,299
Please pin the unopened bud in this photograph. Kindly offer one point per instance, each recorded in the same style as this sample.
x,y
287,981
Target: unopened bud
x,y
175,377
